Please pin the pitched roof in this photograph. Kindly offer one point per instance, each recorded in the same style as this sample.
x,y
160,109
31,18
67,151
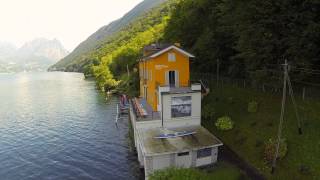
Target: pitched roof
x,y
166,49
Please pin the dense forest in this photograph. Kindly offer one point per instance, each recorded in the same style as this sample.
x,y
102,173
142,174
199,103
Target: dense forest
x,y
249,39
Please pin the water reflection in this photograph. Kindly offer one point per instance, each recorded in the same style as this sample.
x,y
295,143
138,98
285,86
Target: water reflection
x,y
57,126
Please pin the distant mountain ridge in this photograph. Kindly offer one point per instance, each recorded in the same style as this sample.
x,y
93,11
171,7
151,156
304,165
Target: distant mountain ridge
x,y
51,49
35,55
98,38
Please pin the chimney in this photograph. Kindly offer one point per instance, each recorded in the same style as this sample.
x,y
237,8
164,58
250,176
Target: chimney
x,y
177,44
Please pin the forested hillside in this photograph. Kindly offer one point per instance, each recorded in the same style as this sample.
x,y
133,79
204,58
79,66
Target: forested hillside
x,y
84,54
249,37
125,50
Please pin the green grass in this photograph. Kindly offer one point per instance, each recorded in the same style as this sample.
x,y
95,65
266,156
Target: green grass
x,y
222,171
252,130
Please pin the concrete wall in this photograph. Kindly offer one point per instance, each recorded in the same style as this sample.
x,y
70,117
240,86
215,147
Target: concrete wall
x,y
141,124
148,124
155,163
207,160
140,156
193,120
183,161
159,162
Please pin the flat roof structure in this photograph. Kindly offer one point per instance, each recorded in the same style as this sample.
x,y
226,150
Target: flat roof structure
x,y
152,146
196,87
151,115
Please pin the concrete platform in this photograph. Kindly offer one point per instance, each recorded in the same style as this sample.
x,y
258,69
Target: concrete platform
x,y
151,146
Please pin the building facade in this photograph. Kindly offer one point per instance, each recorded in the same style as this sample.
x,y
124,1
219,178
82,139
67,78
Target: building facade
x,y
166,118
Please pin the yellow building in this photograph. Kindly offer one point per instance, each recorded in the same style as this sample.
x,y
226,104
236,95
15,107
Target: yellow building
x,y
163,65
166,119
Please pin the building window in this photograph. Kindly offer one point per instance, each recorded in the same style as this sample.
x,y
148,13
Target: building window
x,y
171,57
202,153
183,154
181,106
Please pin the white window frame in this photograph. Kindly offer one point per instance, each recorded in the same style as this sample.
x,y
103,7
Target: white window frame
x,y
171,57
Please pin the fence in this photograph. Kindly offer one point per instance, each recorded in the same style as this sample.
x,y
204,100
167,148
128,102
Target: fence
x,y
303,90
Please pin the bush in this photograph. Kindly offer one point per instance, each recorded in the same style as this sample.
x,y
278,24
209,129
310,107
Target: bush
x,y
224,123
177,174
252,107
270,150
219,172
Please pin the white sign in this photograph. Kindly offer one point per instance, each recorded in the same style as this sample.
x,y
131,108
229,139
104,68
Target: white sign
x,y
159,67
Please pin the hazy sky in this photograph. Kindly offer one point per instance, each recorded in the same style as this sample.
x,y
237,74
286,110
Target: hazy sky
x,y
70,21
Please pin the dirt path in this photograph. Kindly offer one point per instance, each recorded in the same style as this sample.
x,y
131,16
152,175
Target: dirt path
x,y
226,154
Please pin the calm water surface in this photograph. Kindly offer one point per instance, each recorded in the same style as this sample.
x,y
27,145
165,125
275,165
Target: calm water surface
x,y
58,126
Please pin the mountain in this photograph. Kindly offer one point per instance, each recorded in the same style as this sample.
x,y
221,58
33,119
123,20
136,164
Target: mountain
x,y
103,35
36,55
6,50
41,47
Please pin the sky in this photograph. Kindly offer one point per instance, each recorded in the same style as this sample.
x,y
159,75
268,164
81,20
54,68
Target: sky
x,y
70,21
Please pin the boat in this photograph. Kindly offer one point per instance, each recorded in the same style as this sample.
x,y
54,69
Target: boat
x,y
175,135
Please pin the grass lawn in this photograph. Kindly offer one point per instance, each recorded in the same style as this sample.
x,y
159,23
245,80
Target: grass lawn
x,y
221,171
252,130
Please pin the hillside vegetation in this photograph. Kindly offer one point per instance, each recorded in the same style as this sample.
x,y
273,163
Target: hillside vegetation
x,y
253,130
250,39
124,49
249,36
85,53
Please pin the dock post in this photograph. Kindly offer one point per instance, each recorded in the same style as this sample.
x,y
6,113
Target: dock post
x,y
117,116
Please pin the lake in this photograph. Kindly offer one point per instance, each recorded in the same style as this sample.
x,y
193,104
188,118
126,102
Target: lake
x,y
58,126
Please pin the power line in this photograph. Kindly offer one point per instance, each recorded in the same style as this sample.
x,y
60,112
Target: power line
x,y
294,104
306,69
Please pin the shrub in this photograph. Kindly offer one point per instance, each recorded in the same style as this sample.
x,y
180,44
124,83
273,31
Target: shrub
x,y
177,173
252,107
224,123
270,150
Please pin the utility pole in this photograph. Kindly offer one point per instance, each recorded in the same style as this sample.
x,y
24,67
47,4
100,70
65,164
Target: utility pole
x,y
283,104
218,69
286,80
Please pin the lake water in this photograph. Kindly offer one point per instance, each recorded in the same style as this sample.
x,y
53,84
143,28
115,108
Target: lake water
x,y
58,126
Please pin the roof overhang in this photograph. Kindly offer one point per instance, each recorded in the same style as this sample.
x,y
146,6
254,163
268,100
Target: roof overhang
x,y
170,48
